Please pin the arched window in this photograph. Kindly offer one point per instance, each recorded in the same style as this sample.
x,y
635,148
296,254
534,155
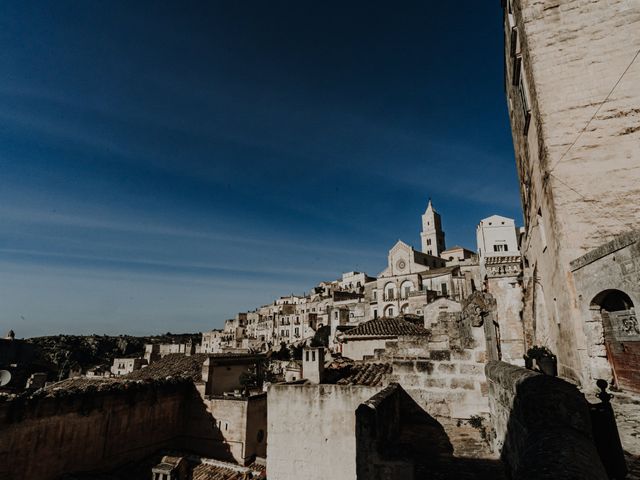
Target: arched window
x,y
390,291
406,288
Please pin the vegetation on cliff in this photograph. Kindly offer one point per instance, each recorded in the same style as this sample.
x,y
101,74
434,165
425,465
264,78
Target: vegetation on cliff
x,y
62,353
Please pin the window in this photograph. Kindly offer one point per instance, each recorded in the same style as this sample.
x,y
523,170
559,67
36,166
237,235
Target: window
x,y
375,314
543,234
307,355
500,248
526,111
313,355
375,294
514,41
428,241
443,287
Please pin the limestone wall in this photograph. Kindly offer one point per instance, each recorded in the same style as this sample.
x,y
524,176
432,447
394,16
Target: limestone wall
x,y
357,349
542,425
378,426
444,379
42,438
578,181
312,431
614,266
509,304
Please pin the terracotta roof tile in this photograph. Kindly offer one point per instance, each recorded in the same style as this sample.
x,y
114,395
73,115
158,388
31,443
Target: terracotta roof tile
x,y
172,365
219,472
386,327
369,374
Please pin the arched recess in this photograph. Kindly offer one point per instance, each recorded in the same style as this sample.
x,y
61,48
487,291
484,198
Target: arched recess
x,y
405,288
404,308
621,336
390,311
390,291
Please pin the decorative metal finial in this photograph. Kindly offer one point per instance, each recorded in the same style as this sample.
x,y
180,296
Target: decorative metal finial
x,y
603,395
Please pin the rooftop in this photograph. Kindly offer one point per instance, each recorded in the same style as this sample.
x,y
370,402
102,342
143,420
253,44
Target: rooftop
x,y
172,365
386,327
369,374
344,371
198,469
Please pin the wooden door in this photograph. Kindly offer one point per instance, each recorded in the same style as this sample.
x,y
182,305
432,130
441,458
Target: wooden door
x,y
622,339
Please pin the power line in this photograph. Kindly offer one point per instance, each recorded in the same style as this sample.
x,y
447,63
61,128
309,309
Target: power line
x,y
594,201
596,113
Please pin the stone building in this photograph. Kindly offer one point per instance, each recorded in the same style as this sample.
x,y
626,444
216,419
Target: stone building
x,y
358,413
501,269
402,280
155,351
195,403
362,341
411,280
457,255
571,77
123,366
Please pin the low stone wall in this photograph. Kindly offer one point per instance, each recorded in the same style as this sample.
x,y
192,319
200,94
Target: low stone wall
x,y
43,438
444,375
542,425
378,425
312,430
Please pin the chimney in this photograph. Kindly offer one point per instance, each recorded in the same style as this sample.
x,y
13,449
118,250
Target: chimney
x,y
313,364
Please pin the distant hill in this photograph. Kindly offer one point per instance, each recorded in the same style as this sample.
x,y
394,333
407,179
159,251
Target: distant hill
x,y
60,353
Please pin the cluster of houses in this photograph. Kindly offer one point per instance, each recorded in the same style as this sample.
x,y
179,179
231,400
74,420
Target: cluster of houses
x,y
412,280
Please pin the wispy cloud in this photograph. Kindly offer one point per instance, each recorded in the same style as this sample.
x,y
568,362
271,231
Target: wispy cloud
x,y
211,269
34,216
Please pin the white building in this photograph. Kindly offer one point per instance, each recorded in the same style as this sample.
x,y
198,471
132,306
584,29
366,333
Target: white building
x,y
122,366
497,235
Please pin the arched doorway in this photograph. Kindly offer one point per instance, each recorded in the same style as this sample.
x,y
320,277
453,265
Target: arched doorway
x,y
621,333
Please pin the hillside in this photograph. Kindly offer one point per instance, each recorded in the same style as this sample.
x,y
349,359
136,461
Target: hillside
x,y
62,352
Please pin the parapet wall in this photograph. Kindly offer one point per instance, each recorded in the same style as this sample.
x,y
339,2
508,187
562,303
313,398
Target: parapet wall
x,y
542,425
97,428
312,430
444,375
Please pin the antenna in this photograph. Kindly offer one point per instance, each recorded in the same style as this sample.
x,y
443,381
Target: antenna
x,y
5,377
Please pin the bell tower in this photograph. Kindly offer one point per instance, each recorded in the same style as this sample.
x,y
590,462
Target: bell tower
x,y
432,234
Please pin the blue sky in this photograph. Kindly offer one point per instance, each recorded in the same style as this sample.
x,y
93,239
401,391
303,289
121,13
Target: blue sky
x,y
164,165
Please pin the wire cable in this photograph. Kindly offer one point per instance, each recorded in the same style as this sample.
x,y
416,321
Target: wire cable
x,y
595,113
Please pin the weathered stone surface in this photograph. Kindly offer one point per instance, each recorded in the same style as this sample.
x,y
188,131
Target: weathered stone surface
x,y
577,157
462,383
440,355
542,425
424,367
447,368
